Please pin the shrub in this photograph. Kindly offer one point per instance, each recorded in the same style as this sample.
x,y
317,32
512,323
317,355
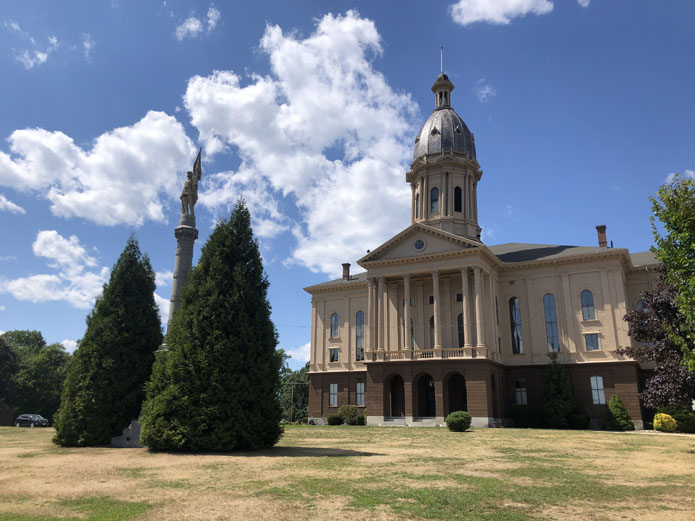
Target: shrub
x,y
618,418
579,421
458,421
664,423
348,413
333,419
558,396
521,416
360,420
685,420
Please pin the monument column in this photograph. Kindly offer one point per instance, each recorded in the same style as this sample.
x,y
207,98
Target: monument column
x,y
186,233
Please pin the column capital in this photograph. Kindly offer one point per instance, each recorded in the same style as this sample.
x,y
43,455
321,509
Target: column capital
x,y
435,273
464,270
477,268
370,281
406,276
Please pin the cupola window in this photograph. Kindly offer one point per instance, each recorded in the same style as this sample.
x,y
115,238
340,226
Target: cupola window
x,y
457,199
434,131
434,200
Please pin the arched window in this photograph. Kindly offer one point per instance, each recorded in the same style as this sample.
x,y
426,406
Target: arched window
x,y
431,332
458,207
412,333
551,323
588,311
434,200
459,322
359,336
334,325
417,206
515,322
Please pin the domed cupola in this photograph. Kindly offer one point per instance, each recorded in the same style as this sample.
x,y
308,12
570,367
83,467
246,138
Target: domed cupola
x,y
444,130
444,173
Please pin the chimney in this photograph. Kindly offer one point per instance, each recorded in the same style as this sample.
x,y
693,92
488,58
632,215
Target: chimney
x,y
346,271
602,242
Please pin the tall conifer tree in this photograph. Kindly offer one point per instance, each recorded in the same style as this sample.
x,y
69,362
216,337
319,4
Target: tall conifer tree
x,y
104,387
217,386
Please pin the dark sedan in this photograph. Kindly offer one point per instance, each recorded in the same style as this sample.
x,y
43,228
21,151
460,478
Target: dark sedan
x,y
31,420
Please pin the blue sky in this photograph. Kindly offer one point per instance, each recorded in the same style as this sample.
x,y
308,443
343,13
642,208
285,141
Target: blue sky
x,y
581,109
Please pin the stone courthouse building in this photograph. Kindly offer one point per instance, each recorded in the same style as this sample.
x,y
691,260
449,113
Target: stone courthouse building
x,y
441,322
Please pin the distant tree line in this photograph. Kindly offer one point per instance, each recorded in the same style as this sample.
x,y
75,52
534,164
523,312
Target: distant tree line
x,y
31,373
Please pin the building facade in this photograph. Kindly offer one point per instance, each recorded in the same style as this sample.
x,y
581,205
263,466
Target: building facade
x,y
441,322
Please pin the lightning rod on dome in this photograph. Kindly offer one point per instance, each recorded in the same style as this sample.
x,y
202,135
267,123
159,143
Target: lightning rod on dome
x,y
441,59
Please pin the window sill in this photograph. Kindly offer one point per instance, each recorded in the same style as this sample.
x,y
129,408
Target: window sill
x,y
591,321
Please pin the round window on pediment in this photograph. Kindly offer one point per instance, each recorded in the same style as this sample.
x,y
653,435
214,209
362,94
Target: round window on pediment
x,y
420,244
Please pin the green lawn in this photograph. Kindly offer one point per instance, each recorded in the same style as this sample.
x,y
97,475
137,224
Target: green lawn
x,y
359,473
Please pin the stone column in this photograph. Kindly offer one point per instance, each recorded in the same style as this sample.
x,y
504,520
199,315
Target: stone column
x,y
412,203
465,297
447,338
437,317
407,344
381,296
420,322
186,233
369,330
480,330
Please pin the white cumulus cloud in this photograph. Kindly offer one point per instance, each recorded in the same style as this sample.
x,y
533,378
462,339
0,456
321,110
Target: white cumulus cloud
x,y
323,131
163,278
123,179
301,354
88,45
190,28
484,91
77,279
687,173
213,17
69,345
8,206
499,12
584,3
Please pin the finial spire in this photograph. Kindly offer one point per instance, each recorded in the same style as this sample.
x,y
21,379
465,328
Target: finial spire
x,y
441,59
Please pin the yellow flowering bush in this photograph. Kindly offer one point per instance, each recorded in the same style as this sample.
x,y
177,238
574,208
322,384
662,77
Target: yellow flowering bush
x,y
664,422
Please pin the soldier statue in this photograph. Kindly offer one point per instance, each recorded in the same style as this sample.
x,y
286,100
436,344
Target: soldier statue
x,y
189,195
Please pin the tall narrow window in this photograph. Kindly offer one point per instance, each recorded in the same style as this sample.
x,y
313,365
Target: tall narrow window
x,y
431,331
359,336
588,311
597,394
520,388
458,207
551,323
412,333
334,325
359,394
515,322
333,395
434,200
417,206
459,322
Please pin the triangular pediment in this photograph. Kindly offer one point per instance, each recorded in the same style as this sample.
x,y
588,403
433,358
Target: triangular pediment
x,y
419,240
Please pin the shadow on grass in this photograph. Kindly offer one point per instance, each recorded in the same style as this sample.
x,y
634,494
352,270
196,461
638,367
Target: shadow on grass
x,y
283,452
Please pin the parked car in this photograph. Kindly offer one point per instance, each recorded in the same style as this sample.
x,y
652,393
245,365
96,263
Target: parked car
x,y
30,420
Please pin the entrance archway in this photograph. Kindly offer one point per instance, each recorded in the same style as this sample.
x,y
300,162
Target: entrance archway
x,y
395,397
456,393
426,405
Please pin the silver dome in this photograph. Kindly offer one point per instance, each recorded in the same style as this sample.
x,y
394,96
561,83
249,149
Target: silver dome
x,y
444,131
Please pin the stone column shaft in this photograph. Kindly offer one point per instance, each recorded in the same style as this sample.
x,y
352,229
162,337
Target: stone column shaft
x,y
381,313
437,317
480,330
406,312
465,297
186,234
369,333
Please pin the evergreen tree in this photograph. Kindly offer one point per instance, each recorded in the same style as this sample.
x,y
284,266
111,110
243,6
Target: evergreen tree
x,y
618,418
558,396
217,386
104,387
